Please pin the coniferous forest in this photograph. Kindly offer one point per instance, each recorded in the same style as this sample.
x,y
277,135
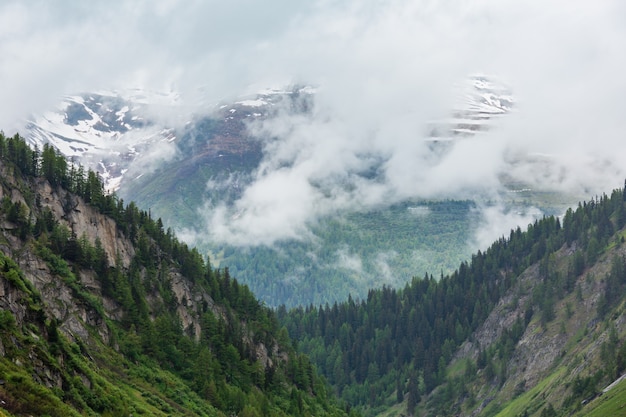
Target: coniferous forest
x,y
159,331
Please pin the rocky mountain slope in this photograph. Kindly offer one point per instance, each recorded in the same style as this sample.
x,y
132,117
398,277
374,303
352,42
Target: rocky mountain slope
x,y
108,314
533,326
572,348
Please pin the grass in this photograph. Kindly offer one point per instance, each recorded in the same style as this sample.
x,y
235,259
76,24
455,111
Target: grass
x,y
617,240
613,404
24,395
457,368
395,411
531,400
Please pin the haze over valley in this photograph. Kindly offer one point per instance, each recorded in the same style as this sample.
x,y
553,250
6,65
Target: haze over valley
x,y
255,141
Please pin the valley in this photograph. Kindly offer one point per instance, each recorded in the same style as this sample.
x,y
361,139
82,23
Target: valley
x,y
533,325
206,169
301,209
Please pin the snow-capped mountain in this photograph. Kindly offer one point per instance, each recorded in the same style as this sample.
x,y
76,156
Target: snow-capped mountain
x,y
109,131
104,131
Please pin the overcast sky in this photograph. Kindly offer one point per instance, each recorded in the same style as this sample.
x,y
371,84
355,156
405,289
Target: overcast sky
x,y
383,69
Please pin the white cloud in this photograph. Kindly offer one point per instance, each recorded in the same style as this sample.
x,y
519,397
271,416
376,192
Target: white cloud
x,y
349,260
385,272
384,70
496,221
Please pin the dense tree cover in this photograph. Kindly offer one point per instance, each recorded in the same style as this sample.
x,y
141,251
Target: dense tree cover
x,y
223,366
398,343
352,252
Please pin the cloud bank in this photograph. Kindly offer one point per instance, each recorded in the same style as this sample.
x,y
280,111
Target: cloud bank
x,y
383,70
386,70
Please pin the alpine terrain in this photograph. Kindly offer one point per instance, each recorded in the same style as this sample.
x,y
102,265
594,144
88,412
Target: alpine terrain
x,y
183,174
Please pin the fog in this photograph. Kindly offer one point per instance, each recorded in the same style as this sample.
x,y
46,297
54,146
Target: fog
x,y
382,72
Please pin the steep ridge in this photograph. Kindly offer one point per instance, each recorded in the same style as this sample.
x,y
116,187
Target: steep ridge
x,y
535,325
572,306
102,312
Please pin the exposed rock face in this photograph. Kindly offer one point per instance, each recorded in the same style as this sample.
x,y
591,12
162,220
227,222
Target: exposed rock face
x,y
10,299
542,347
84,220
189,303
59,300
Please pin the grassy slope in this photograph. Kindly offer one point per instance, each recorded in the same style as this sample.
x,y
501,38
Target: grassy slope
x,y
613,403
114,383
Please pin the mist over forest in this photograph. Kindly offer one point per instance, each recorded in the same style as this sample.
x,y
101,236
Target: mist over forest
x,y
382,74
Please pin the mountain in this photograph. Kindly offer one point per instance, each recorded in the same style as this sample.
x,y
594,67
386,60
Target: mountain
x,y
111,131
210,162
102,312
108,131
533,326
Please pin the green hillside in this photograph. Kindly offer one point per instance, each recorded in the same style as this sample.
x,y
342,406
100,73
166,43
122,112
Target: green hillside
x,y
532,326
353,252
103,312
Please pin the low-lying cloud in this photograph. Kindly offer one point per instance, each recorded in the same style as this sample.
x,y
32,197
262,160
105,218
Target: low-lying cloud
x,y
384,75
383,72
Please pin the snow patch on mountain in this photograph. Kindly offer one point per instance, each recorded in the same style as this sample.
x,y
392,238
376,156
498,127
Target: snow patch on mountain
x,y
104,131
482,99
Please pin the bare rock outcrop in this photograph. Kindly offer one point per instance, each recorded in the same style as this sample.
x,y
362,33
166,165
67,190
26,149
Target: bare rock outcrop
x,y
84,220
